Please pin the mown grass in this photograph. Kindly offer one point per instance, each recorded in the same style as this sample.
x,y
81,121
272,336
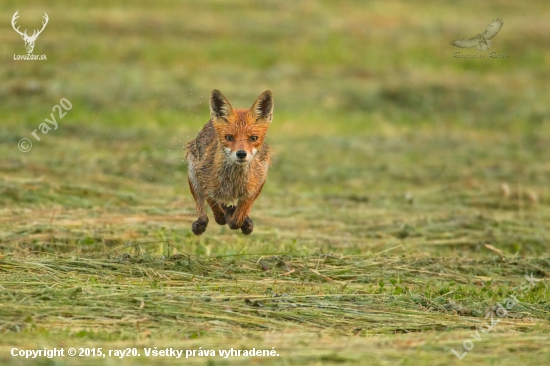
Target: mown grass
x,y
138,300
396,165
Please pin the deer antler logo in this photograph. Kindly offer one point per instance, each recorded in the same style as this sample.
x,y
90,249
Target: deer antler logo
x,y
29,40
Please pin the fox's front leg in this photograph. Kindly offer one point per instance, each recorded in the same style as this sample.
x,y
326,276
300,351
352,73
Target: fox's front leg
x,y
200,225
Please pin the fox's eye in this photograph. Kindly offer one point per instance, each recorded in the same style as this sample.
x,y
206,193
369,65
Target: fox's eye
x,y
229,137
253,138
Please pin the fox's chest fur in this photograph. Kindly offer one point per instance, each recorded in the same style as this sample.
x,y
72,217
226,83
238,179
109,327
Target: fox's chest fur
x,y
231,184
221,180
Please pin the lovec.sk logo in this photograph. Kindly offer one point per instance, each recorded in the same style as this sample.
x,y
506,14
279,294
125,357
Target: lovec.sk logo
x,y
29,40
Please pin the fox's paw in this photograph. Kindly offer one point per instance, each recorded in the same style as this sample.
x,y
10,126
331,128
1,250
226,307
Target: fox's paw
x,y
233,224
248,226
199,227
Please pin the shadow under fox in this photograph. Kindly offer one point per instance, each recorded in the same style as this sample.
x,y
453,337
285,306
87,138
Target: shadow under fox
x,y
228,162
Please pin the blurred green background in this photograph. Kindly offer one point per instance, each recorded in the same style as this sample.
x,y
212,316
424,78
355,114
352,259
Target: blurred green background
x,y
396,163
377,128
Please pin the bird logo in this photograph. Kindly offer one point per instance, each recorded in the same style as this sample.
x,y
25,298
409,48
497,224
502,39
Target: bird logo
x,y
481,42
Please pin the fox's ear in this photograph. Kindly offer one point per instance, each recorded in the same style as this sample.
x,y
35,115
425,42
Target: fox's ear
x,y
220,108
263,107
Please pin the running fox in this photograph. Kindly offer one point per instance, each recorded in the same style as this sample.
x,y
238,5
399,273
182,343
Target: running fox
x,y
228,162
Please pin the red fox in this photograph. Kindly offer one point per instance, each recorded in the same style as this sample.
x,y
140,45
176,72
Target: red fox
x,y
228,162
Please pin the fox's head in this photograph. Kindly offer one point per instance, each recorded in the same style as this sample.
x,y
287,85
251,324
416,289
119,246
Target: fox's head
x,y
241,132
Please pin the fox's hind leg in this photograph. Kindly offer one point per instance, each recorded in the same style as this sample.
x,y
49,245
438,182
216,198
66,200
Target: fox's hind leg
x,y
200,225
237,218
248,225
217,209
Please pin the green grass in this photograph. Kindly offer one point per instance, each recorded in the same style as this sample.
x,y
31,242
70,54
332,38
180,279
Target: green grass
x,y
396,165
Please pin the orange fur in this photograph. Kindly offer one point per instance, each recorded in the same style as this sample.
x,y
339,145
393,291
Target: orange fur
x,y
228,162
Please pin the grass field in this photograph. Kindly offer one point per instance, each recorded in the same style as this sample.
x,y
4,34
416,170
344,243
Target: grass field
x,y
409,195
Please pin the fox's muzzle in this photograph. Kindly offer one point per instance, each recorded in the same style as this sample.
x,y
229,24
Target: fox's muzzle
x,y
241,154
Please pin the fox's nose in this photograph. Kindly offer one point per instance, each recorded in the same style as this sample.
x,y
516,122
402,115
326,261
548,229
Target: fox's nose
x,y
241,154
